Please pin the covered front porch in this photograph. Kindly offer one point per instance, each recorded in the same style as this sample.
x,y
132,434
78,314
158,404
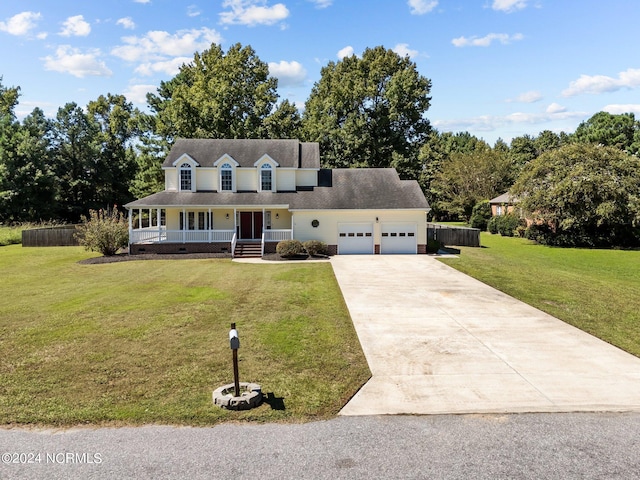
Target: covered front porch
x,y
206,229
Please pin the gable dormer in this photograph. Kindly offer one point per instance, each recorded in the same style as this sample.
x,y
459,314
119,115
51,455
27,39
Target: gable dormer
x,y
227,173
266,171
186,173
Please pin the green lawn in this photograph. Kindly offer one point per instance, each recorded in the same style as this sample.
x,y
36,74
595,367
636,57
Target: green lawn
x,y
141,342
596,290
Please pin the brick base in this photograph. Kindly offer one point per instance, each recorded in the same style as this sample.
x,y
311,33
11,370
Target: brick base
x,y
332,249
422,249
141,249
270,247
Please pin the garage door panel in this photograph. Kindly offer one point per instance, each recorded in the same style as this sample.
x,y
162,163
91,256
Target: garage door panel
x,y
355,238
399,238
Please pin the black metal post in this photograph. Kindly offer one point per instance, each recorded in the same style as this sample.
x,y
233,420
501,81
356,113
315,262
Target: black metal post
x,y
236,376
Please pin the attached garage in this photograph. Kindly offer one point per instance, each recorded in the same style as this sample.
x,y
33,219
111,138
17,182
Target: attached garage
x,y
355,238
398,238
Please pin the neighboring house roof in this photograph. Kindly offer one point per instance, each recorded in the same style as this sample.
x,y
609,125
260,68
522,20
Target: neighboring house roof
x,y
340,189
288,153
504,198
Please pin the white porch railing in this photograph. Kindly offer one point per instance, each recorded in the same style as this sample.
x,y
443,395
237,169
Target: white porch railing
x,y
277,235
153,235
234,240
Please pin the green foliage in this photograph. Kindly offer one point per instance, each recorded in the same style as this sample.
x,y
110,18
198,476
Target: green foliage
x,y
222,95
508,224
290,248
586,195
316,247
492,225
433,245
467,178
104,232
480,215
619,131
362,111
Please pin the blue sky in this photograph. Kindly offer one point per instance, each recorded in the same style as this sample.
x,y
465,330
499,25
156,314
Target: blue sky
x,y
499,68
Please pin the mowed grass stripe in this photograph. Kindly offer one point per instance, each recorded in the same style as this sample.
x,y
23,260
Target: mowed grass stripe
x,y
143,342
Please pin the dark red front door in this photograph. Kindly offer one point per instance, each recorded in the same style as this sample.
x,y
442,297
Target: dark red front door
x,y
250,225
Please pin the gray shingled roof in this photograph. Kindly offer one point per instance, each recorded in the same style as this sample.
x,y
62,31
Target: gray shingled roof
x,y
355,188
504,198
288,153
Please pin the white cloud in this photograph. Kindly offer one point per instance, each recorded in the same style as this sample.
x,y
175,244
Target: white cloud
x,y
527,97
72,61
142,1
487,40
420,7
252,13
345,52
138,93
556,108
20,24
170,67
508,6
288,73
596,84
624,108
126,22
403,50
322,3
159,45
193,11
75,27
489,123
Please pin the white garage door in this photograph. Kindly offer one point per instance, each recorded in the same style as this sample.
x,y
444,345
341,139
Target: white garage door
x,y
355,238
399,238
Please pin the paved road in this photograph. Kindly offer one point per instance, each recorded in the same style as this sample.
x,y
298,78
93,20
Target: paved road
x,y
524,446
439,341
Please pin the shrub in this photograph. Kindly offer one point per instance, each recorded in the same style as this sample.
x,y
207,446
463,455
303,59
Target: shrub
x,y
433,245
315,247
481,215
104,232
290,248
492,225
507,224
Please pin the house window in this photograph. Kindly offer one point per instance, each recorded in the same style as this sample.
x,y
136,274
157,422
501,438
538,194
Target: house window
x,y
226,178
266,179
499,210
185,177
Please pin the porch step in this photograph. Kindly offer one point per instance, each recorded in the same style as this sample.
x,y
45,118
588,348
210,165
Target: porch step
x,y
247,250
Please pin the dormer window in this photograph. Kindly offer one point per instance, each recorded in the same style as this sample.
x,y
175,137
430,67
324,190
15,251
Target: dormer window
x,y
266,178
226,178
186,178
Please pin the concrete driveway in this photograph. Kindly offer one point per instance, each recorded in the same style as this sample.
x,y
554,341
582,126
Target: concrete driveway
x,y
438,341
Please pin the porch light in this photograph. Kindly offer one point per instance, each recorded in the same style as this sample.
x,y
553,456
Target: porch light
x,y
277,216
227,216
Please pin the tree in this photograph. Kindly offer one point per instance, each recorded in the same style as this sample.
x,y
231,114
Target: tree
x,y
115,165
76,154
609,130
369,111
221,95
467,178
582,194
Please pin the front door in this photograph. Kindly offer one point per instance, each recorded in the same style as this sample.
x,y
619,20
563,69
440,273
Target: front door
x,y
250,225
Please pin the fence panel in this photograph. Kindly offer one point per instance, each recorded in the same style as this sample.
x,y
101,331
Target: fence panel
x,y
62,236
458,236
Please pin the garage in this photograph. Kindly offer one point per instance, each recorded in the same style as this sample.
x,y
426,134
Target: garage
x,y
398,238
355,238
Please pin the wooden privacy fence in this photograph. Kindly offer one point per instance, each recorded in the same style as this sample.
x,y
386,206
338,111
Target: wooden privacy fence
x,y
60,236
458,236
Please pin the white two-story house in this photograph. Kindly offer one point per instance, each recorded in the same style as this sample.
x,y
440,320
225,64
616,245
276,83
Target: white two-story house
x,y
221,195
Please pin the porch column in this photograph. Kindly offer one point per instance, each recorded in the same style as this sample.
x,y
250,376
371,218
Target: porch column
x,y
210,224
185,222
140,218
158,217
235,219
150,217
130,225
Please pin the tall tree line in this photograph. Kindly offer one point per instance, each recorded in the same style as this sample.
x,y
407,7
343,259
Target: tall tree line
x,y
367,111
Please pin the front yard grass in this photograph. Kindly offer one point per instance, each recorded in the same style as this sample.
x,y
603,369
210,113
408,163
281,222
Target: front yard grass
x,y
597,291
140,342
